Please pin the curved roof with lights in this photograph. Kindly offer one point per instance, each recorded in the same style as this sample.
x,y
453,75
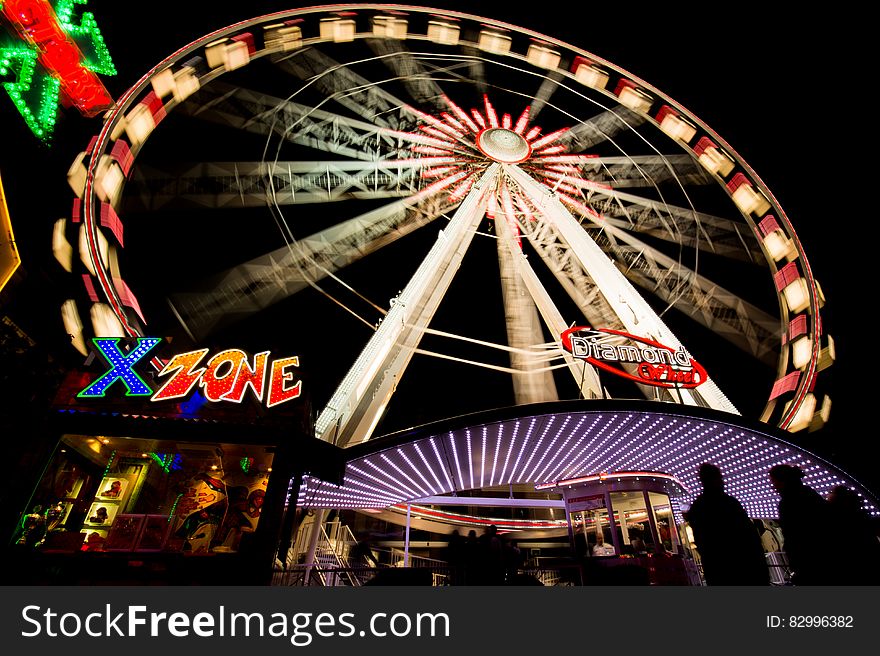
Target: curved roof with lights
x,y
550,442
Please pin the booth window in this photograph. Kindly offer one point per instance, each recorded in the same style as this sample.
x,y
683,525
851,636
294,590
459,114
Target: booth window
x,y
131,494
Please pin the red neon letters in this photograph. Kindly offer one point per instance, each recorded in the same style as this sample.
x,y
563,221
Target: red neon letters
x,y
227,376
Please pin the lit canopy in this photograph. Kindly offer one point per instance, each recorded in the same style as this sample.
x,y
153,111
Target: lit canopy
x,y
551,442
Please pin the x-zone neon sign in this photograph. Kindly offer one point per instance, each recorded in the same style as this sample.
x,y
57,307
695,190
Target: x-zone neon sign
x,y
226,376
49,65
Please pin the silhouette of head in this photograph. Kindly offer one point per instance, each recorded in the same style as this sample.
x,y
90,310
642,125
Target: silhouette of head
x,y
710,477
785,477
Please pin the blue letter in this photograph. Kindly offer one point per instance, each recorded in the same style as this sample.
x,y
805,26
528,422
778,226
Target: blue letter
x,y
121,367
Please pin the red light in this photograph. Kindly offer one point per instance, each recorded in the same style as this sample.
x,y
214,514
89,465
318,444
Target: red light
x,y
36,24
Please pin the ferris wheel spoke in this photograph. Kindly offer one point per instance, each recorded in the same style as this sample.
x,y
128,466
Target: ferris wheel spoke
x,y
356,93
476,72
588,134
261,282
629,307
644,171
582,289
716,308
263,114
252,184
545,91
524,296
410,72
358,403
680,225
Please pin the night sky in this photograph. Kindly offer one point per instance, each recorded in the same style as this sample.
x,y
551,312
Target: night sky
x,y
752,76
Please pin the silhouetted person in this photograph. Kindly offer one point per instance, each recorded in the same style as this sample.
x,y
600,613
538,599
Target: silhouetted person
x,y
729,545
858,535
471,559
513,560
492,557
804,518
455,555
637,542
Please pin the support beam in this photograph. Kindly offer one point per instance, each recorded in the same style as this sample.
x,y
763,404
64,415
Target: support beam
x,y
523,294
409,71
317,128
628,305
523,330
602,127
719,310
263,281
356,93
358,403
254,184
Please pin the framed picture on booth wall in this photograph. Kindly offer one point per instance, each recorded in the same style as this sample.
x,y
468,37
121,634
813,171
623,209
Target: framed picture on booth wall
x,y
101,514
114,488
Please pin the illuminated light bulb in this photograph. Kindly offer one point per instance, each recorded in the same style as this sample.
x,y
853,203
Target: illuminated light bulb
x,y
389,27
442,32
337,29
494,42
542,57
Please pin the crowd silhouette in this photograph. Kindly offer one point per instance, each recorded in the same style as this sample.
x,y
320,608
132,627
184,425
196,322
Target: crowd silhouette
x,y
490,559
732,547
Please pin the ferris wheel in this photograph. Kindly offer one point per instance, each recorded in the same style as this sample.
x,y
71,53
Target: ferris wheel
x,y
399,143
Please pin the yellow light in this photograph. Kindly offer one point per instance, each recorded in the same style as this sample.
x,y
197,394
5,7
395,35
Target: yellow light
x,y
591,76
801,351
827,355
282,37
777,245
494,42
76,175
163,83
9,258
542,57
796,295
337,30
139,123
714,161
635,99
678,128
445,33
804,416
750,200
73,325
389,27
104,322
61,248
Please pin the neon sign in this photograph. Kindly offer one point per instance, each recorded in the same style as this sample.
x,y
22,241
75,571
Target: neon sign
x,y
49,65
227,376
655,364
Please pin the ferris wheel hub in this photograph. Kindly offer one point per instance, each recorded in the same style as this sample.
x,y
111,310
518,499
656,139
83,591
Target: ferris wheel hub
x,y
503,145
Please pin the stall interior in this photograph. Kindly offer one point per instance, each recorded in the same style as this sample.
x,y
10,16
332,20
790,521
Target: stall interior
x,y
132,494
